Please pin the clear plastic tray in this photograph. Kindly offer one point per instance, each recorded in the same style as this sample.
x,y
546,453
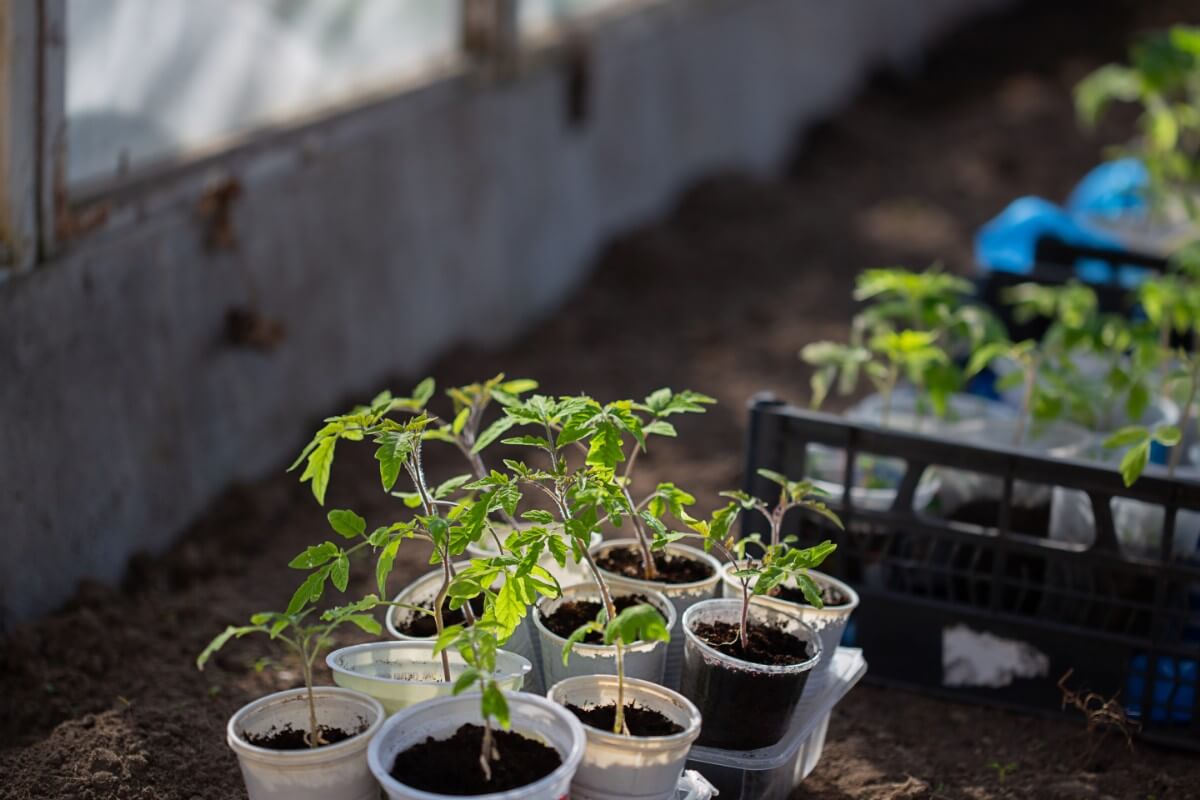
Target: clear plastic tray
x,y
773,772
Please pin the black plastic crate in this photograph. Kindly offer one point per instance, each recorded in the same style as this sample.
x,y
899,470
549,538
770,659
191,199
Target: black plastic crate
x,y
1055,264
928,583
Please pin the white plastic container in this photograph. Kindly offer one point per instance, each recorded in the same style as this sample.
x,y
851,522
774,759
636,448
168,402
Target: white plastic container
x,y
629,767
1058,439
336,770
401,674
682,595
773,773
424,590
829,622
532,716
644,660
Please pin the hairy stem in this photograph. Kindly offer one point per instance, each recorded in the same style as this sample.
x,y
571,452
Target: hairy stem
x,y
649,569
619,726
314,737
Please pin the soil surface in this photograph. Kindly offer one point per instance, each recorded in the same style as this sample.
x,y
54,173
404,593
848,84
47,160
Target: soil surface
x,y
425,625
640,720
451,765
627,561
764,644
830,595
101,701
289,738
573,615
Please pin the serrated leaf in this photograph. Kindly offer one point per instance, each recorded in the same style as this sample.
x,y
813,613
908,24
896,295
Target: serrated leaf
x,y
604,448
466,680
527,441
640,623
394,449
320,463
366,623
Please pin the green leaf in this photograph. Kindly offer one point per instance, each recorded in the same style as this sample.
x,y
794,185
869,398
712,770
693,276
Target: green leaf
x,y
1167,435
340,574
1133,434
493,704
366,623
640,623
558,549
466,680
492,433
659,427
320,462
394,449
539,516
383,568
424,392
310,591
222,639
577,636
346,523
518,386
315,556
460,421
528,441
509,607
1133,463
773,477
605,447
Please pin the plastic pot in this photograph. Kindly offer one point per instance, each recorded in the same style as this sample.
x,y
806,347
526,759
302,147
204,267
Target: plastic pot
x,y
1059,439
744,705
1138,525
629,767
530,715
401,674
644,660
336,770
829,622
682,595
424,590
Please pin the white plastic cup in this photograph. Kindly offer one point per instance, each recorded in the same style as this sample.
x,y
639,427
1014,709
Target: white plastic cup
x,y
829,622
618,767
337,770
682,595
532,716
401,674
644,660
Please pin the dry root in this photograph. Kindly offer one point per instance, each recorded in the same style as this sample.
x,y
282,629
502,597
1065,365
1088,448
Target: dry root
x,y
1102,714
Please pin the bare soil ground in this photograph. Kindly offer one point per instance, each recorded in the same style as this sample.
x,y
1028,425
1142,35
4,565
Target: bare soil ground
x,y
101,701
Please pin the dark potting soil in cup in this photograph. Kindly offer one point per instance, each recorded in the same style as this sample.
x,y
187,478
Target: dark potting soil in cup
x,y
830,595
451,766
767,644
574,614
289,738
424,624
743,708
627,562
640,720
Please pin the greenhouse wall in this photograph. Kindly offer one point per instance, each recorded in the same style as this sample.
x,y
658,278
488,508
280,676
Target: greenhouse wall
x,y
365,244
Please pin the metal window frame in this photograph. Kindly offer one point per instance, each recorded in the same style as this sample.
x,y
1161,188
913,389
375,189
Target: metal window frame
x,y
40,216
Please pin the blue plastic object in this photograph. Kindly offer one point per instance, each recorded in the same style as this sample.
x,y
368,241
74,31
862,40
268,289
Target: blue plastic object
x,y
1008,243
1173,691
1114,189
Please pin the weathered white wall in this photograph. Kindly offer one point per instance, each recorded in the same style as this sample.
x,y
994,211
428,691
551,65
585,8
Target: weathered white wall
x,y
465,211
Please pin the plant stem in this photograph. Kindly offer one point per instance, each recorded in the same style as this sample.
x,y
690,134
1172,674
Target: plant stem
x,y
1031,369
314,731
619,726
1185,417
437,612
744,622
649,569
